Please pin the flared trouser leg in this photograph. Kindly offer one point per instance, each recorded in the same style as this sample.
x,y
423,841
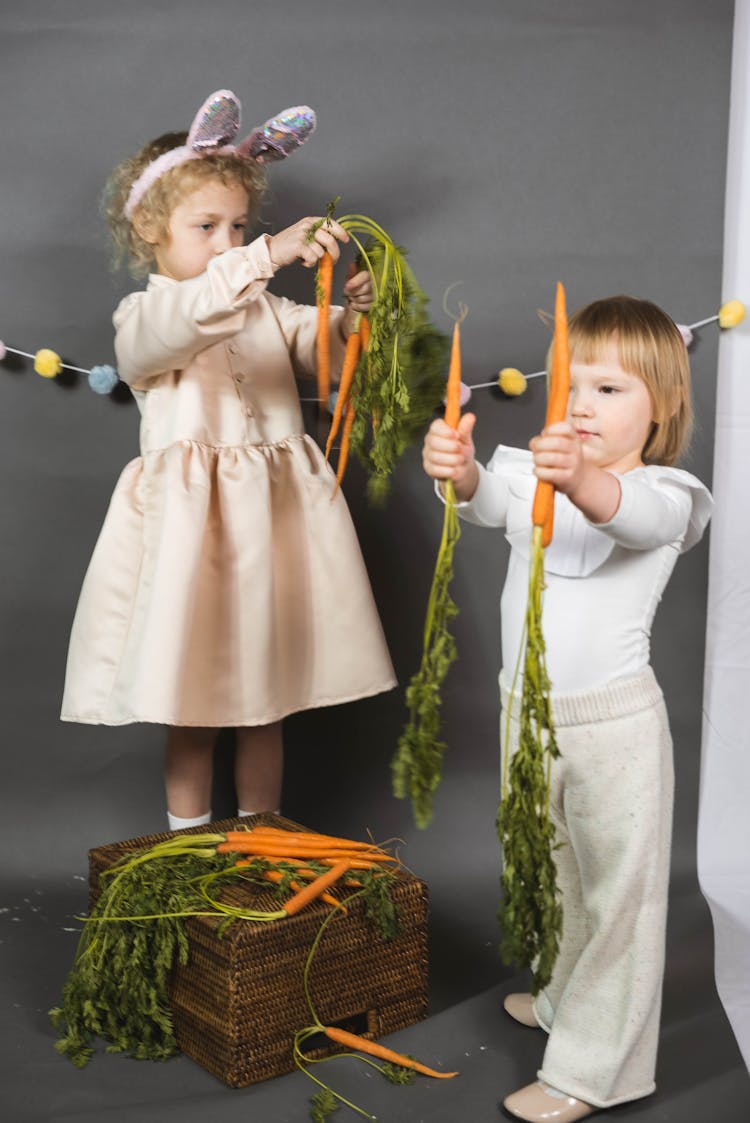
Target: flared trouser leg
x,y
611,802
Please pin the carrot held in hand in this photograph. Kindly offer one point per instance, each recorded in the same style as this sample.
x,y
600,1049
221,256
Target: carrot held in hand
x,y
542,514
417,763
346,437
323,292
351,358
453,392
352,1041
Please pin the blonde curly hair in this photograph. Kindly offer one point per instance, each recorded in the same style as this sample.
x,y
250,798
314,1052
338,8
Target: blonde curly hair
x,y
162,197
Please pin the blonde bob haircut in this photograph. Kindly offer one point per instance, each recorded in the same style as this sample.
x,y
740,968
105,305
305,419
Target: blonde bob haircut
x,y
650,346
152,214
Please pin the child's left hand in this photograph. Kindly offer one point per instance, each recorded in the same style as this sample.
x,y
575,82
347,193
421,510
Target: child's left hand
x,y
558,457
358,290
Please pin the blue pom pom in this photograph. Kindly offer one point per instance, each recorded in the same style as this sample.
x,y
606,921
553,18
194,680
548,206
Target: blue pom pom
x,y
103,379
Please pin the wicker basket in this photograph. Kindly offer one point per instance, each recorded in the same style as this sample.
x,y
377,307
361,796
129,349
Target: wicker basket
x,y
239,1000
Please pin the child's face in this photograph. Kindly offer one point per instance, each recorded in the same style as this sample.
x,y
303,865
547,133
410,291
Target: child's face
x,y
205,223
611,411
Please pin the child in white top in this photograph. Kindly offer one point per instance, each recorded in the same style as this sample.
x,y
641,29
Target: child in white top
x,y
622,517
227,587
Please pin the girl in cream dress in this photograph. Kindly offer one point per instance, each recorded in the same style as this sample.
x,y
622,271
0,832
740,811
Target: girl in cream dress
x,y
227,587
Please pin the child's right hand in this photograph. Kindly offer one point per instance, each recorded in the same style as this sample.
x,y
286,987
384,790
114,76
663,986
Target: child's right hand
x,y
296,243
448,454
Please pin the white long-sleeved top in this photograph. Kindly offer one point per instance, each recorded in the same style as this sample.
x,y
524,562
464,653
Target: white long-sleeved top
x,y
603,581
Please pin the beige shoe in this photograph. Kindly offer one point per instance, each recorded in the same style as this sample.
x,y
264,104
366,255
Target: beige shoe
x,y
520,1008
540,1103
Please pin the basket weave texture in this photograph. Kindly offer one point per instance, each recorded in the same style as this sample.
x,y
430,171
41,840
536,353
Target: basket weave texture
x,y
239,1000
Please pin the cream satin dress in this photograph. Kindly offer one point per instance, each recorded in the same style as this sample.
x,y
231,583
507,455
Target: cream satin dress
x,y
227,586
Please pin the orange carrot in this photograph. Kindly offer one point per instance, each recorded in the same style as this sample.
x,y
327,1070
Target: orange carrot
x,y
351,358
453,391
542,514
345,442
364,331
294,837
276,876
362,1045
279,851
323,292
300,860
314,889
304,871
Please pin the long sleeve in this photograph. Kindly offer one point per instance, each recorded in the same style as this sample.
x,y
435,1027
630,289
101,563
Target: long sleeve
x,y
666,506
162,328
299,325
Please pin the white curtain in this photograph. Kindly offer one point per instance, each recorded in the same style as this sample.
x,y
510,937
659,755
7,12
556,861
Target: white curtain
x,y
724,816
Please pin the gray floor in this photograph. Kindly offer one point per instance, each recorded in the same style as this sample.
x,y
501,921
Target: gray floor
x,y
701,1077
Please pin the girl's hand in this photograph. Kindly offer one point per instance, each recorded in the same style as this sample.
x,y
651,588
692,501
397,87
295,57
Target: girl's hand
x,y
558,457
448,454
358,290
300,243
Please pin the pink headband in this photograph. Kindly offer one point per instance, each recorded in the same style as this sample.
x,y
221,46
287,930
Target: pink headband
x,y
216,124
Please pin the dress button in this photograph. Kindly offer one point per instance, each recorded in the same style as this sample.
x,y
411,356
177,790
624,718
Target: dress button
x,y
232,348
239,378
249,411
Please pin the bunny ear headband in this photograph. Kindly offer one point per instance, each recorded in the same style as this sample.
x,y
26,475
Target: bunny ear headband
x,y
215,126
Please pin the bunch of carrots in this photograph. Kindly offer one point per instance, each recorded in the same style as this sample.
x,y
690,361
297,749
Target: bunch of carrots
x,y
118,986
417,763
530,912
390,382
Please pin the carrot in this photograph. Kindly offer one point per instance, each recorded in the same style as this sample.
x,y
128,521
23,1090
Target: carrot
x,y
276,876
296,837
352,1041
345,442
453,391
308,874
314,889
351,358
279,852
323,292
542,514
364,331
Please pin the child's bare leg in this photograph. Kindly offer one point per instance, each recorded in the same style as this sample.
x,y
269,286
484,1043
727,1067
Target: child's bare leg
x,y
188,770
258,768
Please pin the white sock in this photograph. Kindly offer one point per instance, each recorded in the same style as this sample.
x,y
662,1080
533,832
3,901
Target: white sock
x,y
178,824
241,813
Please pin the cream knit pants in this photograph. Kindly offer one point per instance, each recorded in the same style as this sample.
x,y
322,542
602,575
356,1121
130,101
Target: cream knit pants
x,y
611,804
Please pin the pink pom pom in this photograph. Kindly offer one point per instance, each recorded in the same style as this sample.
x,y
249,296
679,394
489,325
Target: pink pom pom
x,y
3,350
464,394
686,334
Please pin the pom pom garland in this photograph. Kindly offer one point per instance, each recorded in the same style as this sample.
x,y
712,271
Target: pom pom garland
x,y
102,379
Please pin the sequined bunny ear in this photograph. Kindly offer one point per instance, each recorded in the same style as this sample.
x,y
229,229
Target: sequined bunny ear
x,y
216,123
280,136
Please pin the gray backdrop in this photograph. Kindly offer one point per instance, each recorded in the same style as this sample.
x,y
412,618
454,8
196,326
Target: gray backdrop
x,y
508,145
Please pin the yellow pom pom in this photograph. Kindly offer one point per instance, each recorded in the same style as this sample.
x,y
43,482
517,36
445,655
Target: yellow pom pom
x,y
47,363
731,314
511,382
